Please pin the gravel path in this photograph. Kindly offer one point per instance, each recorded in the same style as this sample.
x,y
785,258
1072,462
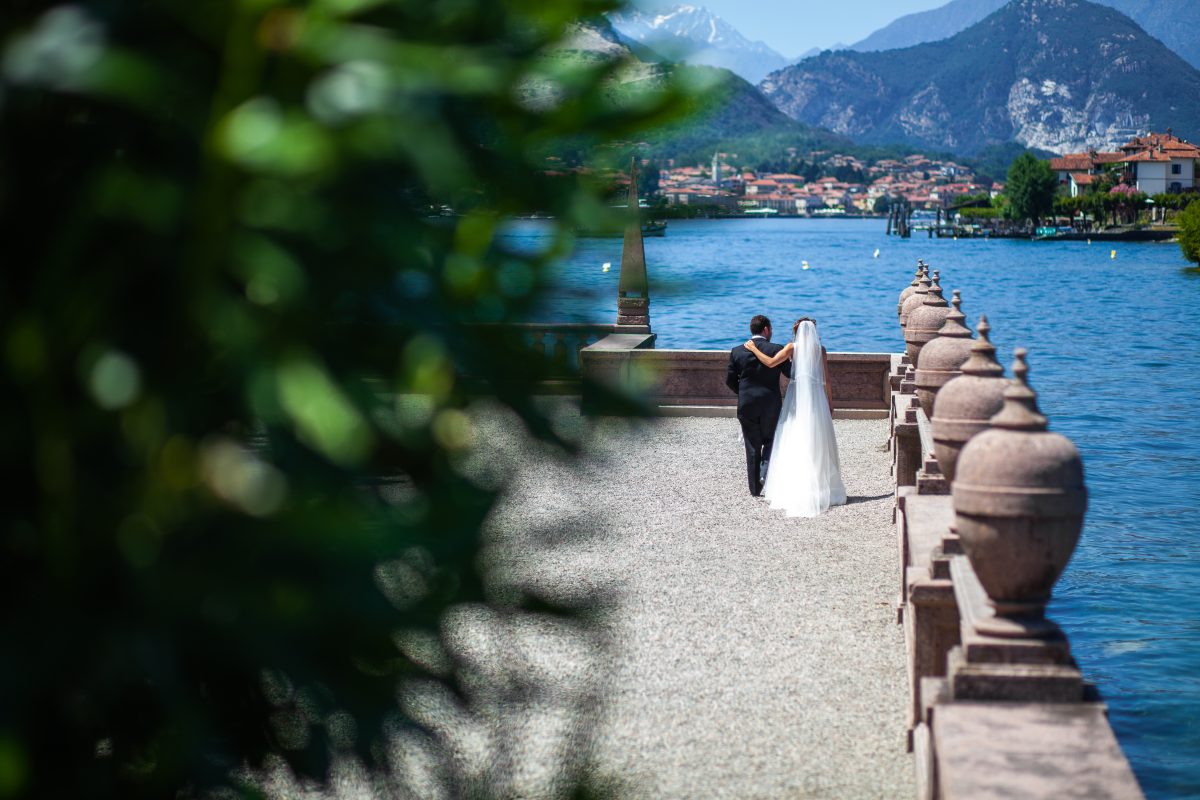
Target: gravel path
x,y
747,654
722,650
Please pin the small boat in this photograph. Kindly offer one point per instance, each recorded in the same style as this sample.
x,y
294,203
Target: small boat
x,y
650,228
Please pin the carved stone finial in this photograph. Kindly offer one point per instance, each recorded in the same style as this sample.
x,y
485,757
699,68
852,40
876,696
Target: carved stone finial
x,y
934,296
965,405
912,287
1019,499
982,362
954,326
925,320
916,298
1020,412
940,360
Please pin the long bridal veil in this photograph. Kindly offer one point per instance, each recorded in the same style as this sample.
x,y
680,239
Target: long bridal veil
x,y
804,476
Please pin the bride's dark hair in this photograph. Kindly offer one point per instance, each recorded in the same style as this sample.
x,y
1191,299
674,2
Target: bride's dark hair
x,y
796,327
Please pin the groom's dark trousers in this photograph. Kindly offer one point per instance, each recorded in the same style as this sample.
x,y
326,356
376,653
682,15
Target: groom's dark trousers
x,y
759,402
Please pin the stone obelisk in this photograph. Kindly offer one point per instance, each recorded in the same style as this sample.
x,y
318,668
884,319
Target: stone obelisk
x,y
633,290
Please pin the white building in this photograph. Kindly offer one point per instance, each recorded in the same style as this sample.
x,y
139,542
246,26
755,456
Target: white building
x,y
1157,163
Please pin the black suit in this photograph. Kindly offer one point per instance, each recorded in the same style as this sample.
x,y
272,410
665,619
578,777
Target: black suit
x,y
759,402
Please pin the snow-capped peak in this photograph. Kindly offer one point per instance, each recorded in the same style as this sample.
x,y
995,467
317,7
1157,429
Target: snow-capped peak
x,y
699,36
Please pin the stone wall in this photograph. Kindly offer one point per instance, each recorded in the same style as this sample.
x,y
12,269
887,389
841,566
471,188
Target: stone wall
x,y
678,379
999,707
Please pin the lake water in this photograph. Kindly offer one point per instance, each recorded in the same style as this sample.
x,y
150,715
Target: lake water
x,y
1114,355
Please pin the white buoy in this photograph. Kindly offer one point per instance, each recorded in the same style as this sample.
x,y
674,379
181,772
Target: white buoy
x,y
876,253
803,265
607,266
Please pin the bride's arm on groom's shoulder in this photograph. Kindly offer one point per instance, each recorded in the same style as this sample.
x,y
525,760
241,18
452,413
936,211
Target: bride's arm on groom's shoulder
x,y
772,361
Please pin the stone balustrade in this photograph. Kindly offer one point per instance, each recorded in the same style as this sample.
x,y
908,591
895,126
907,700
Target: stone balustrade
x,y
998,707
681,381
693,381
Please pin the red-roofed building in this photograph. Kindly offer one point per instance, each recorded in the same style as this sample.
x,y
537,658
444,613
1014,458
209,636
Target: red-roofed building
x,y
1080,181
1161,162
761,187
1072,162
1154,163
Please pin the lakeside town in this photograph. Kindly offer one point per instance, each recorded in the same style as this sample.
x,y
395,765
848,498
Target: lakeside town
x,y
924,182
1154,168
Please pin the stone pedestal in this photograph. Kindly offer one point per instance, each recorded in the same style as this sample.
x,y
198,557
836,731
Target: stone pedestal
x,y
931,618
897,374
930,479
1036,670
608,366
907,456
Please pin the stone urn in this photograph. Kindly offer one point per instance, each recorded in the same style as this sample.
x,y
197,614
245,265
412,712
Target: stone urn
x,y
1019,500
912,287
925,320
965,405
915,299
942,357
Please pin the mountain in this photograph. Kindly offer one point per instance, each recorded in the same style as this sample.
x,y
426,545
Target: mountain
x,y
597,39
695,35
816,51
928,26
725,111
733,116
1173,22
1061,75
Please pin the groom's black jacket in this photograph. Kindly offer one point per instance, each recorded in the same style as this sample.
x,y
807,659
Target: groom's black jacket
x,y
756,386
759,404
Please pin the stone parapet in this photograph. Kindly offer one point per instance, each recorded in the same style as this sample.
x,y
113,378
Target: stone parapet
x,y
1035,751
995,711
991,717
681,379
989,507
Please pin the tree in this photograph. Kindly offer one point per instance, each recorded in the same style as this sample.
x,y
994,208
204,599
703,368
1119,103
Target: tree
x,y
1189,232
234,257
1031,186
1068,206
648,180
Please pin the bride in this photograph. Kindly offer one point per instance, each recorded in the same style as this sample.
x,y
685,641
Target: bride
x,y
804,477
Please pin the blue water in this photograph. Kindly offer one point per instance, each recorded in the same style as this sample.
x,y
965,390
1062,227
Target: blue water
x,y
1114,354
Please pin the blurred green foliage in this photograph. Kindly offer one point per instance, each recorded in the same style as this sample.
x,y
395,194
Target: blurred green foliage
x,y
1189,232
226,253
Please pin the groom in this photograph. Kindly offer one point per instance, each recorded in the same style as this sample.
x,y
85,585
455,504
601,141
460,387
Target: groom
x,y
759,400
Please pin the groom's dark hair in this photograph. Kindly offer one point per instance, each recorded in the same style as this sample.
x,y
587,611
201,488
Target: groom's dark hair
x,y
758,324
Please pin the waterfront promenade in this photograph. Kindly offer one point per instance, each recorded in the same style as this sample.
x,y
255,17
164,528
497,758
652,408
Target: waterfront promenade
x,y
743,654
719,650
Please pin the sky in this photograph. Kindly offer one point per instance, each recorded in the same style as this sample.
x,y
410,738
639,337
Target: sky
x,y
795,26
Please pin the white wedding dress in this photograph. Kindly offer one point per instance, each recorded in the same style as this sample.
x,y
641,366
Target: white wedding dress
x,y
804,476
